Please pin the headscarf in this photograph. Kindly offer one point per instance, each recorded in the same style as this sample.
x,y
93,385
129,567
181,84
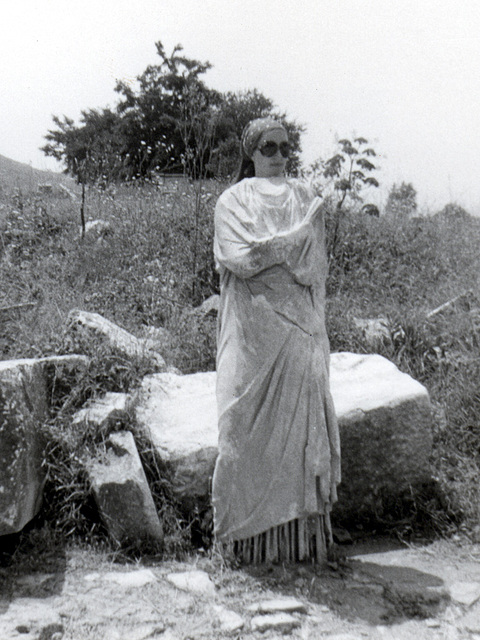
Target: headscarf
x,y
254,131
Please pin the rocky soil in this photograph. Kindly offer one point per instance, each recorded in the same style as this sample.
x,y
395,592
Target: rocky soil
x,y
377,592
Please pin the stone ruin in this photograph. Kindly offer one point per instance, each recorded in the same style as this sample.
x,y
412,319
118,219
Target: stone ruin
x,y
385,420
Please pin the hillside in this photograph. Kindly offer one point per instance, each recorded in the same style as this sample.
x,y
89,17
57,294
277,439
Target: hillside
x,y
16,175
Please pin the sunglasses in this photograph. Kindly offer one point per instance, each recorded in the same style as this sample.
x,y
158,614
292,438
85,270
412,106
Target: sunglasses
x,y
269,149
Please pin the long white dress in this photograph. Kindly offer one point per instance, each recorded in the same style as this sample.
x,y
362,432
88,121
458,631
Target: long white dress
x,y
279,453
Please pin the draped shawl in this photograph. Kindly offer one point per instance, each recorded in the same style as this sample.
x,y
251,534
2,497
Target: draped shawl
x,y
279,451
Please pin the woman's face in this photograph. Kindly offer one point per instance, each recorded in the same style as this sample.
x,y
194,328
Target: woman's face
x,y
274,166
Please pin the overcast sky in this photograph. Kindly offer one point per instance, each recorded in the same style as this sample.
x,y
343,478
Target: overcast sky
x,y
405,74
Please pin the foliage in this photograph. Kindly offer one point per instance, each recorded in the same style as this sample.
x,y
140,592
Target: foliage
x,y
155,113
402,201
453,212
349,169
68,502
90,152
142,274
168,121
237,110
342,178
404,271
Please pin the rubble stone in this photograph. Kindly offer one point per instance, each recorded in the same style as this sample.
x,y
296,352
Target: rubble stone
x,y
122,494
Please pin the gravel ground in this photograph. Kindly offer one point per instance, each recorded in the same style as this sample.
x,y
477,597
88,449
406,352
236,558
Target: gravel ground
x,y
421,592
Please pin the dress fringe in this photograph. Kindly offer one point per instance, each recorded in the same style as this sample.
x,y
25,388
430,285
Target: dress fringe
x,y
300,540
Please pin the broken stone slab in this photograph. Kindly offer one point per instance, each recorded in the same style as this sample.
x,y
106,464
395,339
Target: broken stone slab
x,y
30,618
415,599
198,582
85,328
465,593
412,587
23,410
26,390
95,229
179,415
136,632
122,494
143,632
126,579
287,605
384,419
228,621
131,579
103,413
375,331
471,620
283,622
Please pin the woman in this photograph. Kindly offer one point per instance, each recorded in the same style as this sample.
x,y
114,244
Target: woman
x,y
279,455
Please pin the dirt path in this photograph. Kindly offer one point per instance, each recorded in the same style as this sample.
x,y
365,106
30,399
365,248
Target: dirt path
x,y
421,593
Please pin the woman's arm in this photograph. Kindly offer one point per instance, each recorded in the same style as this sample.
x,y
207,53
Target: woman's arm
x,y
239,251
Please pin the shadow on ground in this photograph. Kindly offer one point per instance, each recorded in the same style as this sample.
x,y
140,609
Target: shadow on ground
x,y
29,566
357,590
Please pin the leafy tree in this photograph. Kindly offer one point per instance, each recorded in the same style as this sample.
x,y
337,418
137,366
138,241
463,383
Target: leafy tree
x,y
237,110
143,133
168,121
401,201
89,151
453,212
152,114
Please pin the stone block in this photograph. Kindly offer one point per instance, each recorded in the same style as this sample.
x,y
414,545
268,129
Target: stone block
x,y
103,412
385,421
384,418
196,581
179,415
23,409
86,329
123,496
26,388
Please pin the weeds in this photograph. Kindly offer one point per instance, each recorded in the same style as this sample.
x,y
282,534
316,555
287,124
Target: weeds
x,y
68,505
153,264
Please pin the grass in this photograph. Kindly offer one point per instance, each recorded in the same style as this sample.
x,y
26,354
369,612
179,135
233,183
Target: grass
x,y
403,271
153,264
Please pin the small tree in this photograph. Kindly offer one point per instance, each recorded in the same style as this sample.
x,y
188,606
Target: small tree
x,y
146,132
152,110
90,152
345,175
197,128
402,201
349,170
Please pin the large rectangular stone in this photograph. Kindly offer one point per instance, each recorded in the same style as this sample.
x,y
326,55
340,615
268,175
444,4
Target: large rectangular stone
x,y
384,418
25,389
23,408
